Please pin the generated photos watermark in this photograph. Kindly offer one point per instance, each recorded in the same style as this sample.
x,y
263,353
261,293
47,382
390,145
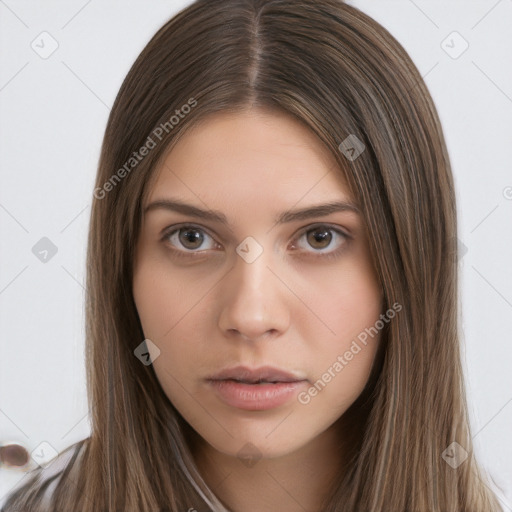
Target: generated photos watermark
x,y
151,142
304,397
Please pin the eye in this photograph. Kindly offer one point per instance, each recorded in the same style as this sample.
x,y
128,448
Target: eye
x,y
189,239
324,239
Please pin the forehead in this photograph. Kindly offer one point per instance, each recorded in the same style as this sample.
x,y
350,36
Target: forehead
x,y
249,157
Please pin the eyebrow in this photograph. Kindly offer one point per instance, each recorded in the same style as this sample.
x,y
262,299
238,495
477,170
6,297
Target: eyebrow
x,y
319,210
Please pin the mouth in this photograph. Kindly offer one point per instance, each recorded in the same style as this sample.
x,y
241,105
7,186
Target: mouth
x,y
255,383
264,374
255,390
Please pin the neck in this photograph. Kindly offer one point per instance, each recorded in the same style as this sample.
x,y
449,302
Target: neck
x,y
297,482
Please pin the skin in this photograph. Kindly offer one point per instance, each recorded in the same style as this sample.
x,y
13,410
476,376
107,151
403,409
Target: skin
x,y
292,307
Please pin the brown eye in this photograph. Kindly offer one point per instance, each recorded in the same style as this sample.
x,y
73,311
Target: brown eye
x,y
190,238
321,241
319,238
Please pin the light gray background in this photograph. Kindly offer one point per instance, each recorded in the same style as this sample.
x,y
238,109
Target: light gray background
x,y
53,113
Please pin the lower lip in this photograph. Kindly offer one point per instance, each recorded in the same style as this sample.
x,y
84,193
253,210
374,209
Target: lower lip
x,y
255,397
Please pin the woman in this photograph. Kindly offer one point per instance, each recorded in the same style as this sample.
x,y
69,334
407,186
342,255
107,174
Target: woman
x,y
272,279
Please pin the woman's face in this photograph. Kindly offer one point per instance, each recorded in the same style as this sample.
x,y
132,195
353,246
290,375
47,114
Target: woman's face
x,y
263,283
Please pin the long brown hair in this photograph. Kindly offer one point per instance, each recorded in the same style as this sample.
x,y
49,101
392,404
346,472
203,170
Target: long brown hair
x,y
343,75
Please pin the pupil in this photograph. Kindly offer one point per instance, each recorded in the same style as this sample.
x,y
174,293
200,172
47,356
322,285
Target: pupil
x,y
191,236
317,238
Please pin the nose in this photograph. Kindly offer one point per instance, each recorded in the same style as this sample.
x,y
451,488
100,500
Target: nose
x,y
254,299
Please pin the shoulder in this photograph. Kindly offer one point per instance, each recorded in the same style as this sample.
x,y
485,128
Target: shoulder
x,y
38,485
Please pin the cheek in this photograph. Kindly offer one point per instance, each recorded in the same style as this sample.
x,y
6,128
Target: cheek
x,y
149,302
350,307
335,390
167,312
348,302
161,299
342,371
174,369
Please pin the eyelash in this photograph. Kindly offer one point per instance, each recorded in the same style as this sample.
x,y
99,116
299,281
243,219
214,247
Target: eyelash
x,y
197,254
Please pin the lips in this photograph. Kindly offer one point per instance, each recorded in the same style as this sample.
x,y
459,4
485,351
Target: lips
x,y
259,389
263,374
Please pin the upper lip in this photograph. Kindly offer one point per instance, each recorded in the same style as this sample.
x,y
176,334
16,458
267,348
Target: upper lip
x,y
263,373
